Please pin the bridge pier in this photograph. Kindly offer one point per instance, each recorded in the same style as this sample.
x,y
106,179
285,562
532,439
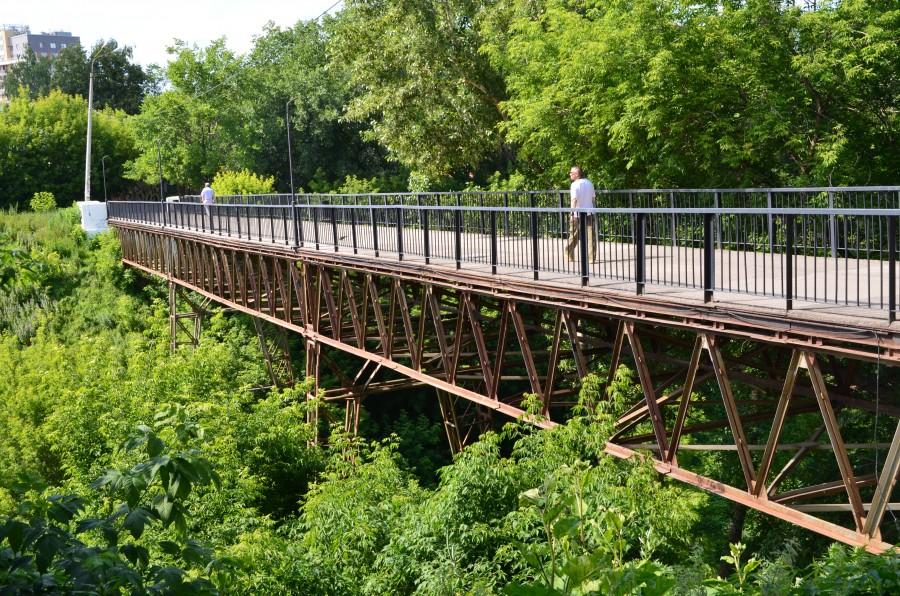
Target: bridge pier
x,y
185,326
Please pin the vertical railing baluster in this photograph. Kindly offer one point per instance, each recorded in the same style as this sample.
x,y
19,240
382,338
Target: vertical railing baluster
x,y
789,261
315,219
640,245
583,246
457,236
535,264
426,235
493,220
400,232
334,233
892,268
708,254
353,229
374,227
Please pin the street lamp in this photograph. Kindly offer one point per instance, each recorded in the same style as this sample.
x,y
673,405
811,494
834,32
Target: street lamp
x,y
287,123
103,165
87,151
159,166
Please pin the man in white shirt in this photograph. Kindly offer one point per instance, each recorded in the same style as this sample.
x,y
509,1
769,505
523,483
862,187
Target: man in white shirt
x,y
582,194
207,198
207,195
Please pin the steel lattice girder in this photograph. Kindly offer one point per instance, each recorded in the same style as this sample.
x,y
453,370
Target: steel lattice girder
x,y
491,345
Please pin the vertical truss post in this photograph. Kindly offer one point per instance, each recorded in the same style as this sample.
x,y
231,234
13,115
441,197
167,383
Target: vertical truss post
x,y
312,370
837,442
731,410
656,418
886,483
777,424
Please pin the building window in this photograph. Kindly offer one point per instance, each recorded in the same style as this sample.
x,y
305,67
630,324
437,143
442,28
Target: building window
x,y
64,45
41,44
52,45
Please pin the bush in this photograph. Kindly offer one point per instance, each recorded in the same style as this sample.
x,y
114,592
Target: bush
x,y
43,201
243,182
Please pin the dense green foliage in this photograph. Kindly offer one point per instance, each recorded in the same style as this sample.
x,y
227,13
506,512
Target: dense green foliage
x,y
243,182
429,95
126,467
118,83
42,146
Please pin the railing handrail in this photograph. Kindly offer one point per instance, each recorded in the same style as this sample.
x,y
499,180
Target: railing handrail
x,y
568,210
748,190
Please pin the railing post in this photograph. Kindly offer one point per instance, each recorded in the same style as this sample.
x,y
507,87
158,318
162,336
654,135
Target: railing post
x,y
315,218
639,252
717,204
771,222
535,265
789,261
400,232
334,234
353,229
892,268
583,246
708,257
457,236
833,225
493,242
426,238
295,224
374,227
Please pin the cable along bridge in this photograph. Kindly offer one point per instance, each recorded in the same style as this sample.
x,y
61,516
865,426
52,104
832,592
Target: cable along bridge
x,y
759,321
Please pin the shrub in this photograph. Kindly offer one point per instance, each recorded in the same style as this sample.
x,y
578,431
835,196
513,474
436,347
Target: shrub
x,y
43,201
243,182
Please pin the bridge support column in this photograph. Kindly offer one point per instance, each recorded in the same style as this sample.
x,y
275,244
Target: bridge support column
x,y
313,352
185,327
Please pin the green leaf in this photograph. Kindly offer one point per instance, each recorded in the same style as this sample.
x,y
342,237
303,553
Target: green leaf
x,y
136,555
136,520
163,506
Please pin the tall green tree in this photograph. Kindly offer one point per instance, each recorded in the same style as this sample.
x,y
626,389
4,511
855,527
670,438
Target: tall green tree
x,y
33,75
42,146
197,124
293,66
674,93
118,82
422,88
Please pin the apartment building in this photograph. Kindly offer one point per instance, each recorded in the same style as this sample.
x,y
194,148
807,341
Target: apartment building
x,y
16,39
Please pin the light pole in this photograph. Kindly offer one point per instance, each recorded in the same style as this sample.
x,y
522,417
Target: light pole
x,y
159,166
103,165
87,151
287,123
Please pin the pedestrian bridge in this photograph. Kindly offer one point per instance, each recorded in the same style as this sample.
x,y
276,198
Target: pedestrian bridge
x,y
760,322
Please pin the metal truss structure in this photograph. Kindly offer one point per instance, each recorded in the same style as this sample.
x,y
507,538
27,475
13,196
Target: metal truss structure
x,y
783,401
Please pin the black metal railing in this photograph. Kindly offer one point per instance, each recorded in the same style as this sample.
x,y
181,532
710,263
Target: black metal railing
x,y
821,254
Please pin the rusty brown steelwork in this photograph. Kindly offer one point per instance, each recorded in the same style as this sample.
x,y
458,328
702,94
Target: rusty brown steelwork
x,y
486,343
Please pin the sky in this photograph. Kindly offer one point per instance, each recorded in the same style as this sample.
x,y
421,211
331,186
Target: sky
x,y
149,26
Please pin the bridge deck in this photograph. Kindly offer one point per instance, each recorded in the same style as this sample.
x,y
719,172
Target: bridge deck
x,y
837,292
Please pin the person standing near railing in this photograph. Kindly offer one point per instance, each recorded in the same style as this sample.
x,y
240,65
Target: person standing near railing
x,y
582,197
207,198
